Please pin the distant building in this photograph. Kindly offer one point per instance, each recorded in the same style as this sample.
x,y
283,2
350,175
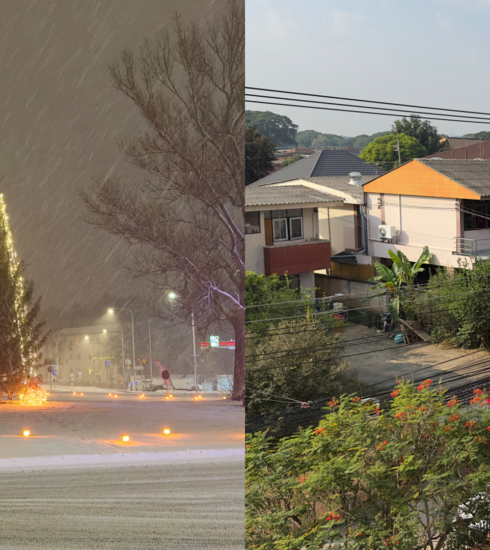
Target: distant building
x,y
81,354
458,142
478,150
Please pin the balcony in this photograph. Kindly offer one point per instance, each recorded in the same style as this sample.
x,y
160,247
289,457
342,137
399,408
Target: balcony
x,y
472,247
297,258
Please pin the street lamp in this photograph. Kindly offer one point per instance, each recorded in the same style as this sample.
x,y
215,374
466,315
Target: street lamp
x,y
172,296
111,311
151,358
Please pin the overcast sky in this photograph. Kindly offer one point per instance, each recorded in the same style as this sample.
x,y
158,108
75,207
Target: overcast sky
x,y
423,52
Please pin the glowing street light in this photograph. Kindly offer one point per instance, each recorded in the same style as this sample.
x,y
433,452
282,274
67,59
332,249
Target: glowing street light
x,y
104,331
26,433
86,337
125,438
166,431
110,311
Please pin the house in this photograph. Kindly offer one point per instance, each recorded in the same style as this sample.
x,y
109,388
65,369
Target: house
x,y
282,233
444,204
458,142
481,150
324,163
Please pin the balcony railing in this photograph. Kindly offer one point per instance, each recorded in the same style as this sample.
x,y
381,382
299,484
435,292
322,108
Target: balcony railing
x,y
297,258
472,247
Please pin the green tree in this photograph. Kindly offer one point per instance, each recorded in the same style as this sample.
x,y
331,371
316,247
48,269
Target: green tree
x,y
364,140
422,130
278,128
259,154
291,347
20,335
393,282
292,160
382,150
306,137
416,476
478,135
455,305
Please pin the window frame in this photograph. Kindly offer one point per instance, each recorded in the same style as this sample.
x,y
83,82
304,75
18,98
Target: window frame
x,y
300,218
274,220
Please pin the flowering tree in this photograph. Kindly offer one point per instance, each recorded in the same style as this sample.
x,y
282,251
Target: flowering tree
x,y
413,477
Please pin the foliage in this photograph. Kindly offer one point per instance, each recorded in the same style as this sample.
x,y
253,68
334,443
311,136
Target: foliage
x,y
259,154
292,160
295,360
395,280
20,334
383,151
456,305
291,346
183,221
277,128
422,130
318,140
400,480
478,135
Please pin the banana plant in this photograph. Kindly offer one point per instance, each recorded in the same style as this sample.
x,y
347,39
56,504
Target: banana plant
x,y
395,280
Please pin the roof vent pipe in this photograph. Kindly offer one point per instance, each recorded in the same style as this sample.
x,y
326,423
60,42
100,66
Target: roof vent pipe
x,y
355,178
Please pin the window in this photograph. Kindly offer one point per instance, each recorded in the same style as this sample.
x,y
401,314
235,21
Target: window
x,y
287,225
78,342
280,228
296,228
476,214
79,356
252,223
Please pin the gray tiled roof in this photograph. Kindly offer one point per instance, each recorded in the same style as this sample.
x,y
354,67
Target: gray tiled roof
x,y
274,195
472,174
322,164
341,183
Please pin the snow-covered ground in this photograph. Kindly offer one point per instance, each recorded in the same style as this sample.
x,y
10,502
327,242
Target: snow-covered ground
x,y
154,507
74,484
92,425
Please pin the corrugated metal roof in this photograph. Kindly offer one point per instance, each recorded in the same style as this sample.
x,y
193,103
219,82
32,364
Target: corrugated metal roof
x,y
276,195
341,183
326,163
472,174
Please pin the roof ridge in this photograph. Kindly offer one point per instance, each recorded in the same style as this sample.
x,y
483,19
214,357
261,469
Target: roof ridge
x,y
318,158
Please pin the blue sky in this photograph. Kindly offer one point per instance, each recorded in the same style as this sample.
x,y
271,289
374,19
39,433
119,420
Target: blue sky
x,y
431,52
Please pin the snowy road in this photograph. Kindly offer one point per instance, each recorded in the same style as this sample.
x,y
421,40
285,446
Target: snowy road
x,y
174,507
74,484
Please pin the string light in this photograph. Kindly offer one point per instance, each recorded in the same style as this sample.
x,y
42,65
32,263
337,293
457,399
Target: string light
x,y
33,396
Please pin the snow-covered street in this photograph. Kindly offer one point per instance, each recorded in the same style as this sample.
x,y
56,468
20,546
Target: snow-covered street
x,y
73,483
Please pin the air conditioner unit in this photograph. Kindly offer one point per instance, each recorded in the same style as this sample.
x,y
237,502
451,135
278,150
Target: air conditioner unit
x,y
387,231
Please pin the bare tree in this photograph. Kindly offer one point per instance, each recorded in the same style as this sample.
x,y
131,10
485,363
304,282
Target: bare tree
x,y
184,222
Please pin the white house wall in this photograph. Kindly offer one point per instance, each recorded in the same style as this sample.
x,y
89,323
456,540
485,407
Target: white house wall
x,y
340,231
422,221
254,250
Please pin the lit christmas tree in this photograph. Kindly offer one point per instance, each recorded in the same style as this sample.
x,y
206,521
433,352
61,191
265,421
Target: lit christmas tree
x,y
20,336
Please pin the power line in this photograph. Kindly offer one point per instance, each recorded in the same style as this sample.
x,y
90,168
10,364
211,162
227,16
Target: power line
x,y
365,101
364,106
358,112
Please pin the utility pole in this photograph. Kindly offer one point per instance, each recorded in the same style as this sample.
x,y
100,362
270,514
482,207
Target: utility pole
x,y
397,148
194,347
151,358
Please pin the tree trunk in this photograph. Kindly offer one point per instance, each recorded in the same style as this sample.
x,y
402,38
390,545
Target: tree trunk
x,y
239,369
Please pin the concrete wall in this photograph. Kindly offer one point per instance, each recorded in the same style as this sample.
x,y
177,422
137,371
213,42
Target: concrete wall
x,y
341,229
434,222
354,292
